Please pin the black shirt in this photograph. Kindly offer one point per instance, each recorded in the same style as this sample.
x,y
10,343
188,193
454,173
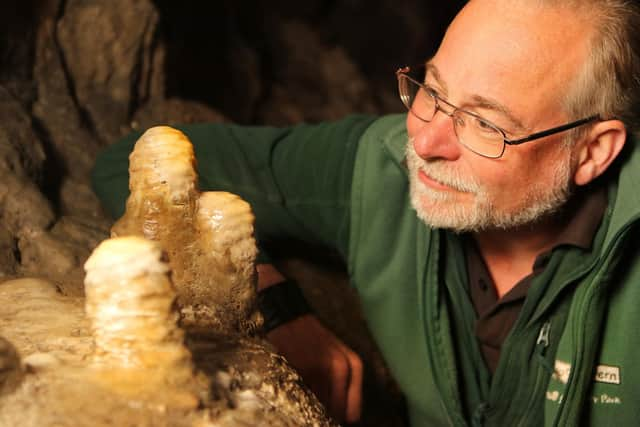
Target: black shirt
x,y
496,317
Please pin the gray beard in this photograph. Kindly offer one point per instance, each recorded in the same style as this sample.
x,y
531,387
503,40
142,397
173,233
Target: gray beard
x,y
540,202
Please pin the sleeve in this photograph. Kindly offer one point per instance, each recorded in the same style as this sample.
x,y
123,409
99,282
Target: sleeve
x,y
297,179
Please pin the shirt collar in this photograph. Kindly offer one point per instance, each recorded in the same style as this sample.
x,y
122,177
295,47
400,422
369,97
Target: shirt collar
x,y
586,210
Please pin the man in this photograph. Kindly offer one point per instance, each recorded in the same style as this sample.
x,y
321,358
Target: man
x,y
511,299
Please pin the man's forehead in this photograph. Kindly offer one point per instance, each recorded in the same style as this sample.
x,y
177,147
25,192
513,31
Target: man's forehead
x,y
520,27
495,48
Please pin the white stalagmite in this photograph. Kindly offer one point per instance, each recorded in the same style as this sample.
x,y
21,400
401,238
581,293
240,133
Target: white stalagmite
x,y
130,306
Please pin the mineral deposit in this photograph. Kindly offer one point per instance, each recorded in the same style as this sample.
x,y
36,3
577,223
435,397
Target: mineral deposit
x,y
167,334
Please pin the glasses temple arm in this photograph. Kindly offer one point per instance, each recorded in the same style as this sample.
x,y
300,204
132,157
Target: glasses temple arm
x,y
553,130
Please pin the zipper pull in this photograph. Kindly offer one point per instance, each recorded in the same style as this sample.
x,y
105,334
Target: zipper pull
x,y
543,336
541,344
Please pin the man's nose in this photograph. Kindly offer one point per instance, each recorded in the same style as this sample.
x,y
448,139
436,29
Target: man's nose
x,y
435,139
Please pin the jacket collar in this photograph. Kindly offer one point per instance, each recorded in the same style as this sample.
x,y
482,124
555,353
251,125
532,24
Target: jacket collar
x,y
624,207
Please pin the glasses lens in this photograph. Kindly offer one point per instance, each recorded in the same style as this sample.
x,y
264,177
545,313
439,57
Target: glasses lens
x,y
478,135
415,97
472,131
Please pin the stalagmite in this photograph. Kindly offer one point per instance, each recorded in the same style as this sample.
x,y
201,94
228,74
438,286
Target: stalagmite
x,y
130,304
128,362
166,334
208,236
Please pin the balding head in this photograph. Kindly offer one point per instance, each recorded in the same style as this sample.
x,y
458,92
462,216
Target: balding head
x,y
608,83
522,54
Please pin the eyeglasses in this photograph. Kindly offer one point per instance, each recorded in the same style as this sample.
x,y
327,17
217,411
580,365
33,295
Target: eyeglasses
x,y
474,132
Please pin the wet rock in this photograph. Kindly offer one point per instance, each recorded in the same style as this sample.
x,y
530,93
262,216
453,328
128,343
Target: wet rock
x,y
23,207
59,253
76,198
10,368
22,157
21,151
123,33
43,254
8,251
59,118
38,320
80,232
124,362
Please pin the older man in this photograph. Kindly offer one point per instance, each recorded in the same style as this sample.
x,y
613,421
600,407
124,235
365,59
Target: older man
x,y
511,298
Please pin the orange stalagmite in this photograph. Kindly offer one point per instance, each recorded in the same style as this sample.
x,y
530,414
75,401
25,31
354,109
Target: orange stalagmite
x,y
208,236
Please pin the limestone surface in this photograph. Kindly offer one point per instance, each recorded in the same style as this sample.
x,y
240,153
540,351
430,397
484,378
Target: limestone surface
x,y
127,362
166,333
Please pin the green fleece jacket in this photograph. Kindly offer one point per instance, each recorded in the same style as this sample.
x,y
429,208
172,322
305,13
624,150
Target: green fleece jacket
x,y
568,359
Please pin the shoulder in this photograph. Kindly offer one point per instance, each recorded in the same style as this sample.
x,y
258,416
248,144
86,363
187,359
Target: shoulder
x,y
390,134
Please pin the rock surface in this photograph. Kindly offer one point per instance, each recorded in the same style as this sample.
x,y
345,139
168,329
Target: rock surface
x,y
55,379
134,360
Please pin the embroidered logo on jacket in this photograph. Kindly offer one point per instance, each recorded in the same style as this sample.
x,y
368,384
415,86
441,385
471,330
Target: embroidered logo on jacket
x,y
604,373
608,374
561,371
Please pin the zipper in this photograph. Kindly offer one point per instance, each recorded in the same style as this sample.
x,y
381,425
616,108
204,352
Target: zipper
x,y
541,347
576,360
433,328
543,337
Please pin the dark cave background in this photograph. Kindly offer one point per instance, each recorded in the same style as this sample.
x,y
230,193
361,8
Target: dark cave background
x,y
75,75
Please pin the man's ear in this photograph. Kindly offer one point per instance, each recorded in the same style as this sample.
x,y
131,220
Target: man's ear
x,y
599,149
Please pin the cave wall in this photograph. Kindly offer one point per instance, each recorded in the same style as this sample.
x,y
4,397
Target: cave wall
x,y
75,75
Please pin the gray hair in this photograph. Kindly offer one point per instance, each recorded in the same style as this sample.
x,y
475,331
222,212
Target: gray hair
x,y
609,83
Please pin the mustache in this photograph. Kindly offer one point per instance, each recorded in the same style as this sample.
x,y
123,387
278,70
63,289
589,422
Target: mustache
x,y
441,171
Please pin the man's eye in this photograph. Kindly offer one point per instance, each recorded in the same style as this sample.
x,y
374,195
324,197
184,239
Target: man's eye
x,y
431,91
484,126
